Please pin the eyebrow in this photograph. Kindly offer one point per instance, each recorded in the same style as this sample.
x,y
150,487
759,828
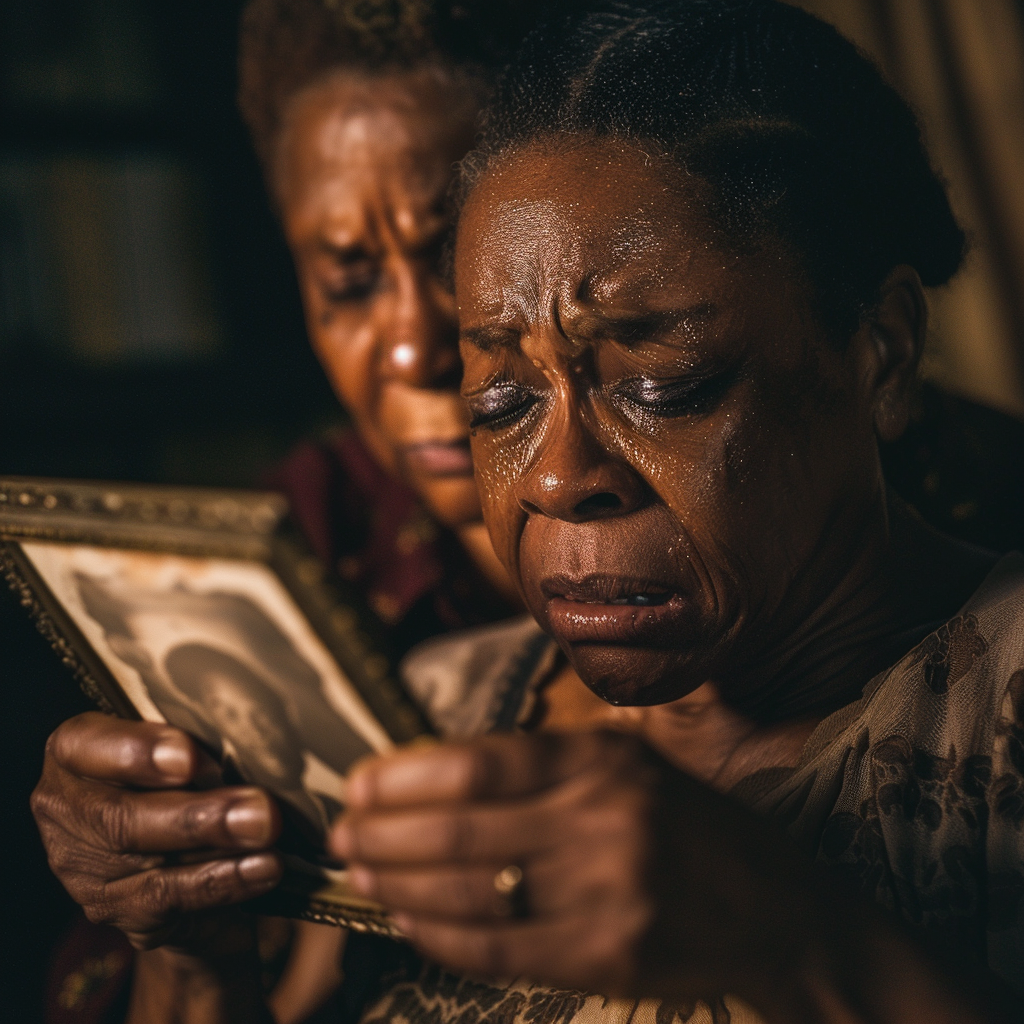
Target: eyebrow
x,y
630,328
355,247
625,329
487,339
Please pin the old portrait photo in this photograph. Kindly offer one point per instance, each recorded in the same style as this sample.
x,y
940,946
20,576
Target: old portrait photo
x,y
218,647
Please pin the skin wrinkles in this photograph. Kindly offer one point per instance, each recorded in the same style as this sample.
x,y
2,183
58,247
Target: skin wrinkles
x,y
362,172
360,179
759,507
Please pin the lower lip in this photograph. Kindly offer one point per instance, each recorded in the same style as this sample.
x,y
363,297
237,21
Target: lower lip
x,y
577,622
440,459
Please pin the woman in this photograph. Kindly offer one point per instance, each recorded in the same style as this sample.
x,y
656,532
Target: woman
x,y
689,273
689,281
358,114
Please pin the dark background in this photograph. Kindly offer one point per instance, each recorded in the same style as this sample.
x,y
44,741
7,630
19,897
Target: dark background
x,y
150,327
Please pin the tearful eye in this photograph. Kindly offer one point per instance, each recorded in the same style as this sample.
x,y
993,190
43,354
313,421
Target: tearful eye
x,y
499,405
687,396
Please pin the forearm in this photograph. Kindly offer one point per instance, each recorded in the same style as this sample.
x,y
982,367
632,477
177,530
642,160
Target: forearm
x,y
174,988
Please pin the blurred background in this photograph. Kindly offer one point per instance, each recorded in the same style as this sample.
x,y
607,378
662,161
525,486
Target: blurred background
x,y
960,63
149,321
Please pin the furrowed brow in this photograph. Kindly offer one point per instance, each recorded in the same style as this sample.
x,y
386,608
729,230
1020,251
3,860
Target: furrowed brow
x,y
487,339
628,329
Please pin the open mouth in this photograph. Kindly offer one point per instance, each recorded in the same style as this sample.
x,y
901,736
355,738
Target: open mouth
x,y
613,609
440,458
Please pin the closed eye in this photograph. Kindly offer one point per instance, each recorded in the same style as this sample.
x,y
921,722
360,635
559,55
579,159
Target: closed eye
x,y
686,396
500,405
354,283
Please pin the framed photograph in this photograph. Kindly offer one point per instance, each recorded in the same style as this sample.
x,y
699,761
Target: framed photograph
x,y
202,608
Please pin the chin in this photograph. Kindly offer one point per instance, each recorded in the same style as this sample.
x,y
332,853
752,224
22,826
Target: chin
x,y
636,676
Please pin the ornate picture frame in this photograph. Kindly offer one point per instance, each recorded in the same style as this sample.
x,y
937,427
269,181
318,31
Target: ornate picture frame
x,y
203,608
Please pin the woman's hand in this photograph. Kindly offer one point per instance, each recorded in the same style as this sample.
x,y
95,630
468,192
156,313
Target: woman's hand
x,y
634,877
135,848
636,880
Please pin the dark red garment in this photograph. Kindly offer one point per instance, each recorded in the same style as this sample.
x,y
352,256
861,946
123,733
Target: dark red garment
x,y
376,534
88,976
416,577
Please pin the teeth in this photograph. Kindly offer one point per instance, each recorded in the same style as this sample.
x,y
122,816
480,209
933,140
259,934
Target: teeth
x,y
640,600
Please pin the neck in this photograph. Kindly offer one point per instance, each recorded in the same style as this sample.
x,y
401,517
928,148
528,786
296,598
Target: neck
x,y
895,590
902,579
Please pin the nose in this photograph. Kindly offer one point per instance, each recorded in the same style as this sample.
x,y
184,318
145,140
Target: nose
x,y
420,335
576,478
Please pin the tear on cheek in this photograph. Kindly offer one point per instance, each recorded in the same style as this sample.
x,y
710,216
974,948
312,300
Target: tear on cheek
x,y
736,464
501,464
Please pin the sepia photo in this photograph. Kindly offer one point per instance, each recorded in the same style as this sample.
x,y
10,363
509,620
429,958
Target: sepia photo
x,y
218,648
196,608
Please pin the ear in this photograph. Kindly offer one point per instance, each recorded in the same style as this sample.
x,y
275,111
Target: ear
x,y
890,343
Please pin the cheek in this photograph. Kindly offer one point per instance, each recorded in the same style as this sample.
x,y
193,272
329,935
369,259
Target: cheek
x,y
345,349
715,479
501,460
758,486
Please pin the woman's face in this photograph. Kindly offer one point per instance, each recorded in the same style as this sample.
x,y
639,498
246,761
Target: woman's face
x,y
363,167
242,720
673,459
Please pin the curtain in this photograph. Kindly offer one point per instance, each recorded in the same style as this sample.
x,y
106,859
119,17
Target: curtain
x,y
960,63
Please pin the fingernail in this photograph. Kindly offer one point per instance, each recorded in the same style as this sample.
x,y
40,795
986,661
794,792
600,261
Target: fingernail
x,y
248,821
261,870
362,880
172,758
341,841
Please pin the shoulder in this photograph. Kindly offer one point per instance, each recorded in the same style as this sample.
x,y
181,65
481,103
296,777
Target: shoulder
x,y
481,679
917,791
956,680
952,688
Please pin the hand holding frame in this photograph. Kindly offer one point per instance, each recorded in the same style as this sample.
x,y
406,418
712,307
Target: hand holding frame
x,y
636,880
136,849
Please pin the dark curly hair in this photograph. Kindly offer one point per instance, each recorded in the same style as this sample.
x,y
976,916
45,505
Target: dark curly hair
x,y
286,45
794,130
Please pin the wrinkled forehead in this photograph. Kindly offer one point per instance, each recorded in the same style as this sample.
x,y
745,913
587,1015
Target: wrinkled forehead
x,y
602,211
347,141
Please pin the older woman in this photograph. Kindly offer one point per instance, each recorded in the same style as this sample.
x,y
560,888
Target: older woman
x,y
689,275
358,113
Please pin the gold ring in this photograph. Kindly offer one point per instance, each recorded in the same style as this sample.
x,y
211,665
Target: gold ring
x,y
508,884
508,880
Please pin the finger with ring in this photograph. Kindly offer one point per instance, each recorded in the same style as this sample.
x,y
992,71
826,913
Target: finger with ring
x,y
511,892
